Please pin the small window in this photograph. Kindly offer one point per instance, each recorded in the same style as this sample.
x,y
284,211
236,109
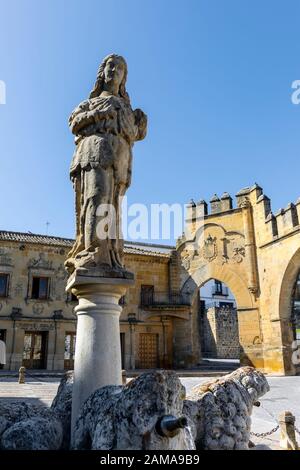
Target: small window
x,y
218,285
4,278
147,295
40,288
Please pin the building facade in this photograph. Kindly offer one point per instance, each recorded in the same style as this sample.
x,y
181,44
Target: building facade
x,y
253,252
257,255
37,321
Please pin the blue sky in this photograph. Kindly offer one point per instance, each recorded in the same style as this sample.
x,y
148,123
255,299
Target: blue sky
x,y
213,76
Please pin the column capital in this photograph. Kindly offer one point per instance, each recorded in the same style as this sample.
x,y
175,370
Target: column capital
x,y
86,285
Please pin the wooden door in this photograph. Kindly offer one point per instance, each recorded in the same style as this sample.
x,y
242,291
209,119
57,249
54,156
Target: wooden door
x,y
34,353
148,351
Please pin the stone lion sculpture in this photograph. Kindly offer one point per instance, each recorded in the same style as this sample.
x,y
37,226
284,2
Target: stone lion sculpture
x,y
220,410
150,412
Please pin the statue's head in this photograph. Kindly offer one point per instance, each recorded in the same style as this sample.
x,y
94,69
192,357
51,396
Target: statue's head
x,y
112,68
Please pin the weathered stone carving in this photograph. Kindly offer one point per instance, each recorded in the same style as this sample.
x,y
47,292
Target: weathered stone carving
x,y
18,290
40,263
225,256
60,273
106,128
210,250
57,284
62,406
186,257
29,427
221,409
232,250
33,434
150,412
116,417
238,254
5,258
37,308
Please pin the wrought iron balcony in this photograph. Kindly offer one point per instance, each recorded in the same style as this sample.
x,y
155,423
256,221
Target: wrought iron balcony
x,y
164,299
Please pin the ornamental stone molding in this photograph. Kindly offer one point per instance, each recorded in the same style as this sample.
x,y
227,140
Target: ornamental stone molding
x,y
40,263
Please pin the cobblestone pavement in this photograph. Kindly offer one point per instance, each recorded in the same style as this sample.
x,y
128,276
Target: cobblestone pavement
x,y
284,395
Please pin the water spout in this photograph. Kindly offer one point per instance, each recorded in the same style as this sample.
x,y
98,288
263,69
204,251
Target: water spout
x,y
169,426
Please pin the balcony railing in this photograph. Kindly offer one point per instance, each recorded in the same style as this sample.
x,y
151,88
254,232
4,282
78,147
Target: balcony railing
x,y
163,298
217,291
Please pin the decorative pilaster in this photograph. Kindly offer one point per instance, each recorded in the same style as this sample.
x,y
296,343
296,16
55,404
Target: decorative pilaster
x,y
250,249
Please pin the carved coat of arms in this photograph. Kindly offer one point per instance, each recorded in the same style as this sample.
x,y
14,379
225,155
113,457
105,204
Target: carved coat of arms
x,y
210,250
238,254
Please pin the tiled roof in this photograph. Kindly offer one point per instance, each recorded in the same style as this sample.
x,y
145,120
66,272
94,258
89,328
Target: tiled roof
x,y
148,249
138,248
35,238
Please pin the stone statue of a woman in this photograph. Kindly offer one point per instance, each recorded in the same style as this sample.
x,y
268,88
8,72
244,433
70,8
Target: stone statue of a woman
x,y
106,128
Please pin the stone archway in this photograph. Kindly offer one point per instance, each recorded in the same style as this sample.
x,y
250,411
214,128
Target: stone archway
x,y
250,336
285,310
224,274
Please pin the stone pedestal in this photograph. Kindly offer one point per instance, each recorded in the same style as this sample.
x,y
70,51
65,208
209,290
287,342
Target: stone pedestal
x,y
287,431
98,350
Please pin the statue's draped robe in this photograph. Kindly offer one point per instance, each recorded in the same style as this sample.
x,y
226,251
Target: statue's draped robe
x,y
105,128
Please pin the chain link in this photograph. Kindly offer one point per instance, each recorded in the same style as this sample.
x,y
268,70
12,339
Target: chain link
x,y
269,433
39,379
265,434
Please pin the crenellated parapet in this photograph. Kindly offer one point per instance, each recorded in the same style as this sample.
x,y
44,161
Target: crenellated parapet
x,y
267,226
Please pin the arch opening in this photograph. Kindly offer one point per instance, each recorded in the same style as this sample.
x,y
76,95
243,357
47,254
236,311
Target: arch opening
x,y
218,323
289,314
295,317
296,309
249,327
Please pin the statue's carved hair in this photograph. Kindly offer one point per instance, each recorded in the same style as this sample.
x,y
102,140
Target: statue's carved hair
x,y
98,87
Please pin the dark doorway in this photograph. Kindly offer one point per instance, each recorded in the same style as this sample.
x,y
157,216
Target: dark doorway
x,y
3,335
2,338
122,340
70,341
35,347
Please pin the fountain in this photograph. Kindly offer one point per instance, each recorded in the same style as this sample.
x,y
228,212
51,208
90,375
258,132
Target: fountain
x,y
92,409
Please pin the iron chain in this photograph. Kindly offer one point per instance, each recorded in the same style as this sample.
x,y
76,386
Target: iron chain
x,y
37,377
265,434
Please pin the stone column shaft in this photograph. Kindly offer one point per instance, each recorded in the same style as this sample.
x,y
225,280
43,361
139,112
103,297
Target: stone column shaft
x,y
98,348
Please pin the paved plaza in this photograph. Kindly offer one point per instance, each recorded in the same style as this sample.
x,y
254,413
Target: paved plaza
x,y
284,395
